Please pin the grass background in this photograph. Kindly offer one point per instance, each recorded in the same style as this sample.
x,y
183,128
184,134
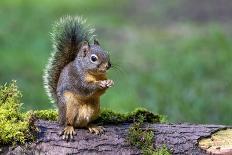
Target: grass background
x,y
174,57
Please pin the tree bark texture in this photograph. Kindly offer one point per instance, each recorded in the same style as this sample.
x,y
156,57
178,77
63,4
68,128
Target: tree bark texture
x,y
179,139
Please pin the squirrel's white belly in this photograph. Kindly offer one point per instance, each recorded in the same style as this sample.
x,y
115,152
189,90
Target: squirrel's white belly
x,y
86,114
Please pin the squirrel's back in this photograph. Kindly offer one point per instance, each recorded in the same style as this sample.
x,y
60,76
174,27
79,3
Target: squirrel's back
x,y
67,34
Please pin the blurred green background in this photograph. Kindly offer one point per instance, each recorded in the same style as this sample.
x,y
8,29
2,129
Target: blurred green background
x,y
173,57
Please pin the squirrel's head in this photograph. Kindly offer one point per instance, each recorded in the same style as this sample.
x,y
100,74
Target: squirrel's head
x,y
93,58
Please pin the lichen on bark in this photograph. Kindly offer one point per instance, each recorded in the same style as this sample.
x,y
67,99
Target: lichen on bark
x,y
219,142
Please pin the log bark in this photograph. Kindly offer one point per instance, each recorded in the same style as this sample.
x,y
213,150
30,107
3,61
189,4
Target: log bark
x,y
179,139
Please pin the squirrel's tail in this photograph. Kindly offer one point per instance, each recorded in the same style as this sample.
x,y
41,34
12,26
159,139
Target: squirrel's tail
x,y
66,34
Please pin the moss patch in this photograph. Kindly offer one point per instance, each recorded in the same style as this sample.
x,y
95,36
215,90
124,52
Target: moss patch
x,y
49,114
14,126
108,116
143,139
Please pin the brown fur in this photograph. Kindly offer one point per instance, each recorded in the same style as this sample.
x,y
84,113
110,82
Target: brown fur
x,y
82,110
90,78
94,78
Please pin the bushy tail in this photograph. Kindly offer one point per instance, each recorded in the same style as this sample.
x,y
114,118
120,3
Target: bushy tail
x,y
67,34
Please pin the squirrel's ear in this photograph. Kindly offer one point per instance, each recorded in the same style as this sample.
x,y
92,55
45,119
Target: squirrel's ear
x,y
84,48
96,42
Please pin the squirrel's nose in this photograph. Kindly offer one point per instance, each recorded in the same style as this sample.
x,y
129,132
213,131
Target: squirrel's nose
x,y
108,65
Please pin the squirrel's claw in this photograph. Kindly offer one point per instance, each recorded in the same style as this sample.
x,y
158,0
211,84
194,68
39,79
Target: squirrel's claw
x,y
68,133
96,129
109,83
106,83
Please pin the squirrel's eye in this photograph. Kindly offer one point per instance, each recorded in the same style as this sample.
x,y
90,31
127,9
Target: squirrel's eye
x,y
93,58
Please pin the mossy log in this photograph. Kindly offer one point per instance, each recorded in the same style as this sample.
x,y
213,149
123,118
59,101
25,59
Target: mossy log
x,y
179,139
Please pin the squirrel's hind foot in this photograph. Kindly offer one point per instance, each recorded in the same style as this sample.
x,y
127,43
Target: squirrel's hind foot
x,y
95,129
68,133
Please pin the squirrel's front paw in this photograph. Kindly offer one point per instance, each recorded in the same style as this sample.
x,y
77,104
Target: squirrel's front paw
x,y
106,83
68,133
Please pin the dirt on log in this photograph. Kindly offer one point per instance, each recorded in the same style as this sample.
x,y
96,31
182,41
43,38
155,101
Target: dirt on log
x,y
179,139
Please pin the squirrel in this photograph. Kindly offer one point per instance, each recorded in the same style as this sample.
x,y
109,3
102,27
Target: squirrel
x,y
75,76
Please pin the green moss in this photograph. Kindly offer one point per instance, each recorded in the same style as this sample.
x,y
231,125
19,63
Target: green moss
x,y
110,117
148,116
143,139
14,126
49,114
161,151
